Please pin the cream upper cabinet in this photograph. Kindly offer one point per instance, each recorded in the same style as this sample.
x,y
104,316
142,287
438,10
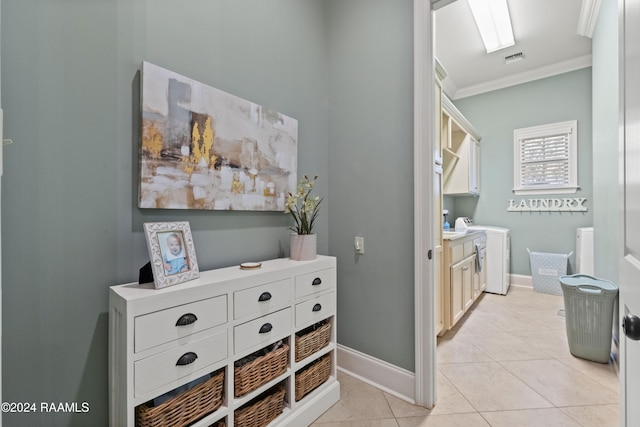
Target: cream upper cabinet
x,y
461,152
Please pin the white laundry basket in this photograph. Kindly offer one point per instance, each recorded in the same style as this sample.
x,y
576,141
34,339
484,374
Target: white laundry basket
x,y
588,306
546,269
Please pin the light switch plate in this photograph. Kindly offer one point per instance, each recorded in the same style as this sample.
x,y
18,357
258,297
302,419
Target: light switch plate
x,y
359,244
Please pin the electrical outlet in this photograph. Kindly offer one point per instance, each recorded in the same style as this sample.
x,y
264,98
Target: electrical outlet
x,y
359,244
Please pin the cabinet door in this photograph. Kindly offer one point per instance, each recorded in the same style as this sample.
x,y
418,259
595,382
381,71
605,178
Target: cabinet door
x,y
476,280
474,166
467,282
457,291
483,274
480,277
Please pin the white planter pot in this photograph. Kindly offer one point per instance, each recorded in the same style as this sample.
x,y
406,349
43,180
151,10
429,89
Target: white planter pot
x,y
303,247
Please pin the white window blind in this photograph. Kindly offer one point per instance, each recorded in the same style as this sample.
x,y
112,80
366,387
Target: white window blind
x,y
545,159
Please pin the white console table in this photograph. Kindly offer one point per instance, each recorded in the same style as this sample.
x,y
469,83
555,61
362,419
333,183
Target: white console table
x,y
231,309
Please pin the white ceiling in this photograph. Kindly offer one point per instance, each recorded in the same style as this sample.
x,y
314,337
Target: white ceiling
x,y
545,30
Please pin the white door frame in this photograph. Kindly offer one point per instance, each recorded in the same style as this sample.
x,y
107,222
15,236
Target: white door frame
x,y
423,143
629,265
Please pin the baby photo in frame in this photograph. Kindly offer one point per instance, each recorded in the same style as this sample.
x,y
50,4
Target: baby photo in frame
x,y
171,252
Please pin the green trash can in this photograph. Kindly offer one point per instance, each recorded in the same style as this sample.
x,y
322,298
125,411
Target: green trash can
x,y
588,306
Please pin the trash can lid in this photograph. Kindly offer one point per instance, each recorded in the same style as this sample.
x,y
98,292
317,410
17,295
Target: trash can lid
x,y
584,279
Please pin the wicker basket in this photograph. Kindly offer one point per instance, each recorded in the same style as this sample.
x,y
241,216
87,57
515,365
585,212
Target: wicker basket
x,y
262,411
312,376
252,375
308,343
185,408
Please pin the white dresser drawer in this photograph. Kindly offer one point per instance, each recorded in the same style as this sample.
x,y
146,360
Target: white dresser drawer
x,y
164,326
316,309
317,281
163,368
260,300
262,330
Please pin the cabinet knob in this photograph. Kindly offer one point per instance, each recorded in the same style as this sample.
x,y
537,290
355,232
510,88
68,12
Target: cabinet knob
x,y
187,359
265,296
186,319
317,281
317,307
265,328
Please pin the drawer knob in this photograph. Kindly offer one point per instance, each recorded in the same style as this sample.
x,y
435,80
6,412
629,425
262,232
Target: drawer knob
x,y
265,296
187,359
186,319
266,328
317,307
317,281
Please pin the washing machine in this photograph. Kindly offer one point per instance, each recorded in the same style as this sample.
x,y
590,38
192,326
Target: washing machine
x,y
498,254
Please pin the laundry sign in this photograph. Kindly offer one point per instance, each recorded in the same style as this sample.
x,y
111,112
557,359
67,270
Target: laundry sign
x,y
548,205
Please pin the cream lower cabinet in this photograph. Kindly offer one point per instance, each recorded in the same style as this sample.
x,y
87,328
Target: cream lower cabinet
x,y
161,340
462,283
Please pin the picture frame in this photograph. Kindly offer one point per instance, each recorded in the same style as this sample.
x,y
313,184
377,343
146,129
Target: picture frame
x,y
171,252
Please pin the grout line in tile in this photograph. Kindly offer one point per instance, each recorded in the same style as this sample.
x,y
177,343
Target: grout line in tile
x,y
518,309
439,372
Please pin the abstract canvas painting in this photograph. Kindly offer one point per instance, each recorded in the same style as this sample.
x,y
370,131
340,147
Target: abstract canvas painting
x,y
203,148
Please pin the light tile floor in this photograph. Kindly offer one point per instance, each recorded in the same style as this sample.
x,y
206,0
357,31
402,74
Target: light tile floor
x,y
506,363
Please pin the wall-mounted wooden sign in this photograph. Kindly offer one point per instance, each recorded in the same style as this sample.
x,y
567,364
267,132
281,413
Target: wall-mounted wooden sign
x,y
548,205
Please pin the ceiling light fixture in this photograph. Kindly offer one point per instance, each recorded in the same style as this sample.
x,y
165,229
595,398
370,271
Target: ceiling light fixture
x,y
494,23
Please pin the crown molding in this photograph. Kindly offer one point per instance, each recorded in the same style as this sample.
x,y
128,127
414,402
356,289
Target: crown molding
x,y
438,4
588,17
524,77
441,73
457,116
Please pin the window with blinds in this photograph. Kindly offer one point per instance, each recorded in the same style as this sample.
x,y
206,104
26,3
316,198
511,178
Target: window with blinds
x,y
545,159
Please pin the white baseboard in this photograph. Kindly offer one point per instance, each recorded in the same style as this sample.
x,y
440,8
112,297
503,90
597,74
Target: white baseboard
x,y
387,377
521,280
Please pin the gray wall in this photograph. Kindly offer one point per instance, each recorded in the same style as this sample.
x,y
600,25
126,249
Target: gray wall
x,y
495,115
605,141
71,228
371,182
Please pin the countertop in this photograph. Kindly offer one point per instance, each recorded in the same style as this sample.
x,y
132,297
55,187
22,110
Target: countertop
x,y
453,235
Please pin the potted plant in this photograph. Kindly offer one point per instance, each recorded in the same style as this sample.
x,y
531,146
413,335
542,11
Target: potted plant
x,y
304,210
